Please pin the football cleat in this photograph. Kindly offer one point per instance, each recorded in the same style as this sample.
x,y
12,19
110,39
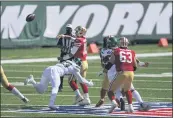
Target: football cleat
x,y
130,109
112,108
25,100
100,102
78,99
144,107
85,101
30,79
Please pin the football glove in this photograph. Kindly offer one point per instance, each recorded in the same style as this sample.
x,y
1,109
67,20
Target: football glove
x,y
90,83
143,64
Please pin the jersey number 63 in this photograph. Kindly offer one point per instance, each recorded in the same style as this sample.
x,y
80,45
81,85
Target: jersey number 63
x,y
125,57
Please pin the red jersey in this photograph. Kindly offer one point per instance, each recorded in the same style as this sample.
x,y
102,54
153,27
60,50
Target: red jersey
x,y
124,59
82,50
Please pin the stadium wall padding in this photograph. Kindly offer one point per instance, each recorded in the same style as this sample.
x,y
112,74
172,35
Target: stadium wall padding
x,y
138,21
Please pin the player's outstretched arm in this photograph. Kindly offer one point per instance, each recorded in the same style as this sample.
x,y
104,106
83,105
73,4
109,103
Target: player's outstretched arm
x,y
82,80
142,64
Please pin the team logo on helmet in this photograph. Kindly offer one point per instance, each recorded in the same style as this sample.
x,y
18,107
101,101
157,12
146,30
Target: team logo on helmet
x,y
80,31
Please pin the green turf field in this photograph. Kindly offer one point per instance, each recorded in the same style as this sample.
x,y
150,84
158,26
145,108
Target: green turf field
x,y
156,88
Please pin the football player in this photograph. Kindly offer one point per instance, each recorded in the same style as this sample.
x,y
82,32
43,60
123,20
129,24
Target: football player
x,y
52,74
11,88
109,43
79,50
126,64
105,54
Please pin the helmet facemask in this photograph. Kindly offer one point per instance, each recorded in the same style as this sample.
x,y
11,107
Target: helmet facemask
x,y
112,42
80,31
123,42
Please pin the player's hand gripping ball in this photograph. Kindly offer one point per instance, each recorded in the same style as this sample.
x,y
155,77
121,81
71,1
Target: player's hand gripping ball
x,y
30,17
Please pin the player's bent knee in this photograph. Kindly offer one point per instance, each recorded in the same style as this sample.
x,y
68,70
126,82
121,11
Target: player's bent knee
x,y
55,90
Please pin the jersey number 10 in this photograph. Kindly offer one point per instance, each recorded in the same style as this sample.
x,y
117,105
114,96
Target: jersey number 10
x,y
125,57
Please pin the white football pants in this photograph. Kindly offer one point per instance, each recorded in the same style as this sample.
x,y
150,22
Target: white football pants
x,y
49,75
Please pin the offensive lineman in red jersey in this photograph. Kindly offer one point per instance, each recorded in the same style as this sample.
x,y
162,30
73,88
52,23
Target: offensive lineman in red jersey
x,y
125,61
80,51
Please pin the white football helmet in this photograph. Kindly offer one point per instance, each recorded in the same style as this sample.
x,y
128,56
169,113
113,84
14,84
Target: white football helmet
x,y
80,31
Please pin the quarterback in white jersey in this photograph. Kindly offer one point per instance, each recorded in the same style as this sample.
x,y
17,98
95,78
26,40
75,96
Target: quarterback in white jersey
x,y
52,74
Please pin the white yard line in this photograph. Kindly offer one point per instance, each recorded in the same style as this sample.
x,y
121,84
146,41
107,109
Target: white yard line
x,y
28,94
98,80
12,116
45,65
96,87
136,75
71,105
89,58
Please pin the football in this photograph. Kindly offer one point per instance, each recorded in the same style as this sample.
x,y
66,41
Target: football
x,y
30,17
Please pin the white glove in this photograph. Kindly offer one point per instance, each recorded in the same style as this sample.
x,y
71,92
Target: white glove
x,y
90,83
100,73
143,64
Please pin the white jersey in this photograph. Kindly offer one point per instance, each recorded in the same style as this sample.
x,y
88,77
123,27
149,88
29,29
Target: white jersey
x,y
66,67
105,55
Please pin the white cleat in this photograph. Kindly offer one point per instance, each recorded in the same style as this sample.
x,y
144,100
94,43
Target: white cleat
x,y
25,100
85,101
78,99
29,80
130,109
112,108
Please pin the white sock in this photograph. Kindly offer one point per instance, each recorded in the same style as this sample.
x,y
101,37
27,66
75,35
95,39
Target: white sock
x,y
52,99
16,92
77,92
137,96
86,95
114,102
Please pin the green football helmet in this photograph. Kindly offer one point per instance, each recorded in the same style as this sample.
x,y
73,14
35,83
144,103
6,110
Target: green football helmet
x,y
110,42
78,61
